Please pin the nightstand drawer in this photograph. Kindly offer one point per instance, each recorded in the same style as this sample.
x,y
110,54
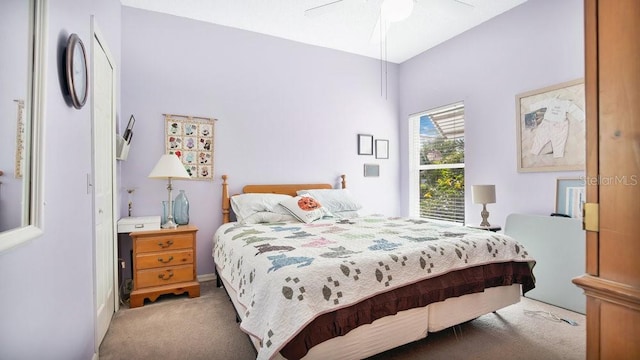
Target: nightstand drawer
x,y
163,276
165,258
164,243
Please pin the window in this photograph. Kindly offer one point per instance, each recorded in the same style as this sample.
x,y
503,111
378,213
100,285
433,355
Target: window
x,y
436,165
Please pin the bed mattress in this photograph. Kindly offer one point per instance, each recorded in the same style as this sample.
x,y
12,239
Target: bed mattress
x,y
405,326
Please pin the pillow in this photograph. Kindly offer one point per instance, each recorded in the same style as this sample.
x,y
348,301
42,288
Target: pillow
x,y
335,200
267,217
305,208
245,205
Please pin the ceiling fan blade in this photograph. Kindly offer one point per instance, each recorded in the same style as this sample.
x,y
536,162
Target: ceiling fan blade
x,y
465,2
320,9
376,34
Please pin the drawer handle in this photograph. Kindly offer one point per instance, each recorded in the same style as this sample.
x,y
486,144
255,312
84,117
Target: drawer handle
x,y
165,261
165,244
162,277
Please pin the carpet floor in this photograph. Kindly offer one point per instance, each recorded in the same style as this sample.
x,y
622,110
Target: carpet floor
x,y
176,327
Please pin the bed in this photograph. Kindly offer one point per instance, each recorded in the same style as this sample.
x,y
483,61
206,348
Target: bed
x,y
311,277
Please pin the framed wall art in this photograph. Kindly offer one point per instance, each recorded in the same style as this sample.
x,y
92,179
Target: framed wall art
x,y
365,144
551,128
382,149
191,139
570,195
371,170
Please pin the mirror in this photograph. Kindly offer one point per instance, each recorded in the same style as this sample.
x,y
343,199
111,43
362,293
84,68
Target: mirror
x,y
21,105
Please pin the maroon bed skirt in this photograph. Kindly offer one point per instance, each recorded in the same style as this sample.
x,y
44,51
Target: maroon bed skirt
x,y
423,293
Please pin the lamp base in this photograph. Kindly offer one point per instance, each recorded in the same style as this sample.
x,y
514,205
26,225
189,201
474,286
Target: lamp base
x,y
485,215
169,225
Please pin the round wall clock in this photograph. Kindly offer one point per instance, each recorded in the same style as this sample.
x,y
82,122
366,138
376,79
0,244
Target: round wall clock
x,y
77,73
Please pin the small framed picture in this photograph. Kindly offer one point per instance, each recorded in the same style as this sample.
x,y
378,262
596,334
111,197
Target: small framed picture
x,y
365,144
371,170
382,149
570,195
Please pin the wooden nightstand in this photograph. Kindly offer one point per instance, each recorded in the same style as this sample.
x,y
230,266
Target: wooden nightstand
x,y
493,228
164,262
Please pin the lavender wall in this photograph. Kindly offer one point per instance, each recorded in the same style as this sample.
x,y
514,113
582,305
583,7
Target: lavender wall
x,y
278,102
537,44
46,287
288,112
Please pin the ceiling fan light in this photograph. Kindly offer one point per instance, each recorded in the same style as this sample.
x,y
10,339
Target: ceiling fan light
x,y
396,10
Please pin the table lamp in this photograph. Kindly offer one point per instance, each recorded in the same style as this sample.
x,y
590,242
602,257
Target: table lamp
x,y
169,167
483,194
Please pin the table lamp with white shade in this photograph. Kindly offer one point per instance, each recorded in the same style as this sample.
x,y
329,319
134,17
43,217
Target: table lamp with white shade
x,y
483,194
169,167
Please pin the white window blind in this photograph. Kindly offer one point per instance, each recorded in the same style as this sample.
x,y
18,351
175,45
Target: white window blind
x,y
436,164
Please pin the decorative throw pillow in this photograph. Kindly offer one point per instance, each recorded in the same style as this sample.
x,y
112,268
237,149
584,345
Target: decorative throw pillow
x,y
335,200
305,208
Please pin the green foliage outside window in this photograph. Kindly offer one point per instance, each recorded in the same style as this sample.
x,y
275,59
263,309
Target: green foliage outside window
x,y
442,190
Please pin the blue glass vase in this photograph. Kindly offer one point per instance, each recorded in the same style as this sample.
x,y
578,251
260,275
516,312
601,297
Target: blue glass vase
x,y
181,209
165,212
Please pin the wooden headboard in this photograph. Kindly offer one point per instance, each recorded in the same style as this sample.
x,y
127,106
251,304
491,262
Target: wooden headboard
x,y
287,189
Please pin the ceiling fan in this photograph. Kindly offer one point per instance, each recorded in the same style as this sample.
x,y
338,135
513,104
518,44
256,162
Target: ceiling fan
x,y
389,12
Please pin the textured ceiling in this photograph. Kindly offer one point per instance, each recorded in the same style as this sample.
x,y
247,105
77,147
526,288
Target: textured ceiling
x,y
345,25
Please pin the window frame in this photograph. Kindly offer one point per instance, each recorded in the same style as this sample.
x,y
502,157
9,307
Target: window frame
x,y
415,167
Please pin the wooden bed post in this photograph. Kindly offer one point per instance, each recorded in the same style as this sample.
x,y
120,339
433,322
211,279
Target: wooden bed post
x,y
344,181
226,204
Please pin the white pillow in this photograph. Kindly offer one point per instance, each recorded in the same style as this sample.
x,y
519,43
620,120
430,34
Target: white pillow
x,y
267,217
335,200
245,205
305,208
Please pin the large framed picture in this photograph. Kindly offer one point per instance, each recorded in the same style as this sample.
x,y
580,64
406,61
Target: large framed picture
x,y
570,195
551,128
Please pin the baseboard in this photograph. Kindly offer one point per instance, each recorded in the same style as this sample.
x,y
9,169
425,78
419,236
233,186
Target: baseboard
x,y
207,277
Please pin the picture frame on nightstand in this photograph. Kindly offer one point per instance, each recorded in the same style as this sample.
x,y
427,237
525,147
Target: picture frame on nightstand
x,y
570,195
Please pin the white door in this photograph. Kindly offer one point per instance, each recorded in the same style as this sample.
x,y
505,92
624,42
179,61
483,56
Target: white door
x,y
104,119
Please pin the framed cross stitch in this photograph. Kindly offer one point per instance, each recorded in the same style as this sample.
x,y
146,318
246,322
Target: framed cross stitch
x,y
191,139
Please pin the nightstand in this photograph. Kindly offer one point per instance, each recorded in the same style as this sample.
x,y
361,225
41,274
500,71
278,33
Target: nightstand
x,y
493,228
164,263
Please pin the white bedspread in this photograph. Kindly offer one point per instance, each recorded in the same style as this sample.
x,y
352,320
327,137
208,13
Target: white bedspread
x,y
287,274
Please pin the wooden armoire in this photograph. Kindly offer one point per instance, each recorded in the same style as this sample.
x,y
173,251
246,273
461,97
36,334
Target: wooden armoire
x,y
612,212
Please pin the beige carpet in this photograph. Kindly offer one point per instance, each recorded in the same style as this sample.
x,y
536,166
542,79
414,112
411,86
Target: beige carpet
x,y
176,327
